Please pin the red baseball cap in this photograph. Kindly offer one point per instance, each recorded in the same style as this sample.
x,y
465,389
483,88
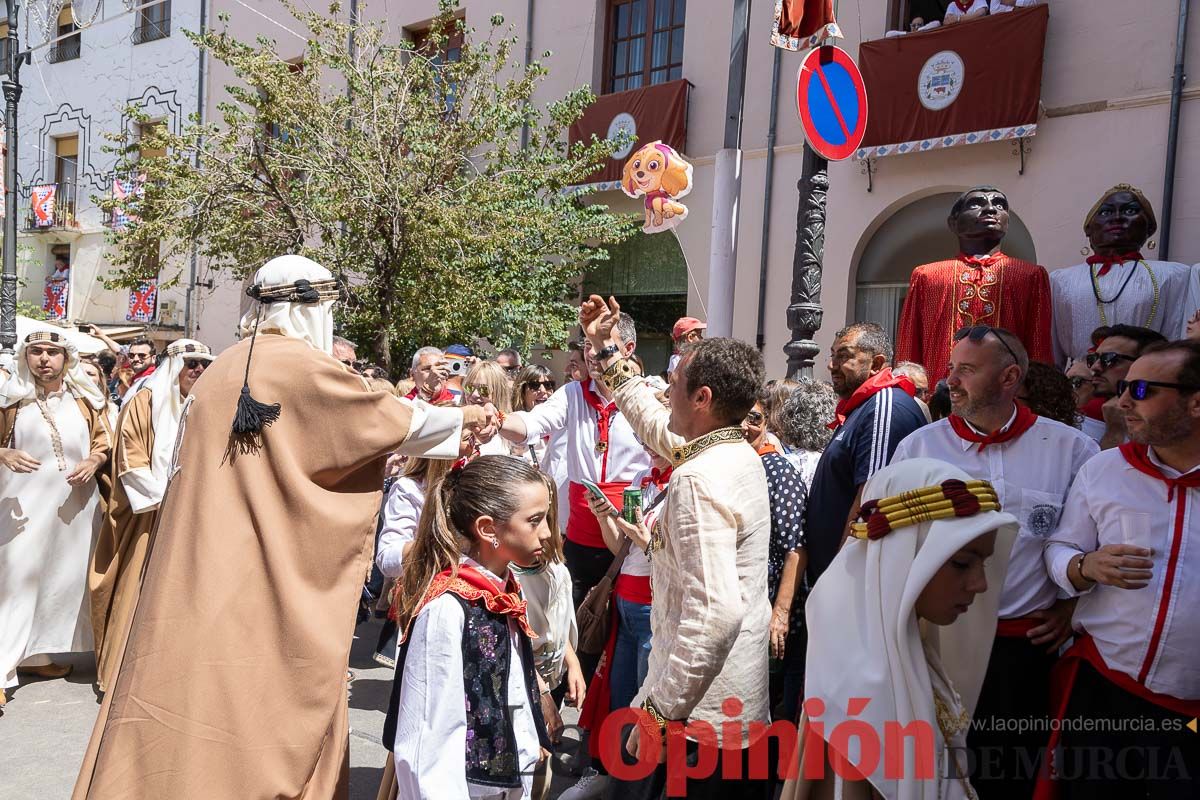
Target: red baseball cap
x,y
686,325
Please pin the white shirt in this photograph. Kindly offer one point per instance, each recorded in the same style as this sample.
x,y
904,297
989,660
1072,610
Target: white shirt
x,y
431,730
1076,314
547,593
1032,475
1151,634
566,410
637,563
401,512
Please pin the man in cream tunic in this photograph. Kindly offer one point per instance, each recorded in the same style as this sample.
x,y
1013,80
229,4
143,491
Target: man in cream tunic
x,y
232,683
708,550
53,440
143,444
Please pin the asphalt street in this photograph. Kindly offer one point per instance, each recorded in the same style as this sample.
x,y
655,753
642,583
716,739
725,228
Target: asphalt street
x,y
46,725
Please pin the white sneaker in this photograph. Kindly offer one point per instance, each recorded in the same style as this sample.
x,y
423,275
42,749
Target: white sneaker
x,y
590,787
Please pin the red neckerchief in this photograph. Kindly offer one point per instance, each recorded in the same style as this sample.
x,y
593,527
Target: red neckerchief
x,y
1094,408
604,414
1106,262
470,584
963,5
767,449
1023,422
985,260
444,395
658,477
1138,457
876,383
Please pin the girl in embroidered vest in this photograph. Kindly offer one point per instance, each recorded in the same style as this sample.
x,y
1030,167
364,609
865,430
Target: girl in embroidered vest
x,y
465,717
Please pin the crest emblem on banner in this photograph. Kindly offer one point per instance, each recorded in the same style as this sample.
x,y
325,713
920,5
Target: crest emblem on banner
x,y
43,205
941,80
623,123
54,301
143,302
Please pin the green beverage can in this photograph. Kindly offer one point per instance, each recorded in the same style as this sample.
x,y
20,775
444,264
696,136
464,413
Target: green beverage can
x,y
631,501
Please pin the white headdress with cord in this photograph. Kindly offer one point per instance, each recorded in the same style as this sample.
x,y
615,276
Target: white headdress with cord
x,y
20,385
295,297
865,640
166,405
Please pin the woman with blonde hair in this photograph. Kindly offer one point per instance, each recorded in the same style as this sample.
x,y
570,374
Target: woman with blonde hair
x,y
487,382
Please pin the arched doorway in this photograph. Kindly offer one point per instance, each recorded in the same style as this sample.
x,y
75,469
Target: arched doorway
x,y
648,276
915,234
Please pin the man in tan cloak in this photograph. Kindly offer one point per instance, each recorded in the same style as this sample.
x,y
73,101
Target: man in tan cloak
x,y
143,444
232,683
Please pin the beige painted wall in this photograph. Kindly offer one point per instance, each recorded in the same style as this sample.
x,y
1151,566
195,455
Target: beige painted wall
x,y
1100,50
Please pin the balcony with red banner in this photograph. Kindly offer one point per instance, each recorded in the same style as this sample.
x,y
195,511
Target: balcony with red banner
x,y
651,113
50,207
968,83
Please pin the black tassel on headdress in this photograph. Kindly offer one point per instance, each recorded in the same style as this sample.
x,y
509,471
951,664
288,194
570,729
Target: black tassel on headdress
x,y
252,415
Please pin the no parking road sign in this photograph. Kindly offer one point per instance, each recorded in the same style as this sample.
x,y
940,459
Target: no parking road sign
x,y
832,101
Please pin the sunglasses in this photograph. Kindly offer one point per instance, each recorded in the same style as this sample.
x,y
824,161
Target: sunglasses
x,y
511,370
479,389
1076,382
548,385
978,332
193,363
1140,390
755,418
1106,360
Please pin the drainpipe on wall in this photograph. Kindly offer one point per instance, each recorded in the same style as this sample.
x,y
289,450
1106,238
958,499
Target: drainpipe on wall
x,y
760,340
727,184
1177,82
528,61
189,323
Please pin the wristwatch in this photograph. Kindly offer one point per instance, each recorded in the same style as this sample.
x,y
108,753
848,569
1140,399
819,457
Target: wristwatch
x,y
607,352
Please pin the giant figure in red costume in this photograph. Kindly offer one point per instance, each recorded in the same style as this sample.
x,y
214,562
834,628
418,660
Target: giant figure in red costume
x,y
980,286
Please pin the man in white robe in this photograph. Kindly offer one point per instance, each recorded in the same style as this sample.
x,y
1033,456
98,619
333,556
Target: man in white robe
x,y
53,440
1116,285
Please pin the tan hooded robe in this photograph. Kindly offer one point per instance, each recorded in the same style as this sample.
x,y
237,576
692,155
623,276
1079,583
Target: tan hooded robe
x,y
233,681
114,576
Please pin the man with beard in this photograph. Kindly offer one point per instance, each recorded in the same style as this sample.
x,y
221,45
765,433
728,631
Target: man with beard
x,y
1031,462
232,681
143,444
1117,286
875,411
980,286
1109,364
53,439
1128,547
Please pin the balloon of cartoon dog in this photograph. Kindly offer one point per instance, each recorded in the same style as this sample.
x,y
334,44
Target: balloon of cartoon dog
x,y
660,175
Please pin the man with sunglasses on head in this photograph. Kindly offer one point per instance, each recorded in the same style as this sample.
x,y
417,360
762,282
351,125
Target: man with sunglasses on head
x,y
1128,546
1031,461
143,444
1109,363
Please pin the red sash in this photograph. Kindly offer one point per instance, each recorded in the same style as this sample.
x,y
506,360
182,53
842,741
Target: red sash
x,y
444,395
634,588
1023,422
597,702
1062,681
1106,262
1016,628
582,526
876,383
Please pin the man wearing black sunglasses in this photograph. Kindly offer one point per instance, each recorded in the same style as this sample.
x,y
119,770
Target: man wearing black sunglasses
x,y
1109,364
1129,546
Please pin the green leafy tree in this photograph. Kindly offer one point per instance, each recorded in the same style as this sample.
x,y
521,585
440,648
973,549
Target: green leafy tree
x,y
399,170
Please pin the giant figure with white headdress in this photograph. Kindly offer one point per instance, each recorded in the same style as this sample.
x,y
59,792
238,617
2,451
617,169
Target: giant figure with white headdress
x,y
1118,285
143,443
54,438
232,680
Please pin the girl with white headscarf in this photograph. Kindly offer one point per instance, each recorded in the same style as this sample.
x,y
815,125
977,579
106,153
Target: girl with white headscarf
x,y
903,621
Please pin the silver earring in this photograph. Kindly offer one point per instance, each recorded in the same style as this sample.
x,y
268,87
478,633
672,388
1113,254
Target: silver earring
x,y
495,544
1085,251
1152,245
